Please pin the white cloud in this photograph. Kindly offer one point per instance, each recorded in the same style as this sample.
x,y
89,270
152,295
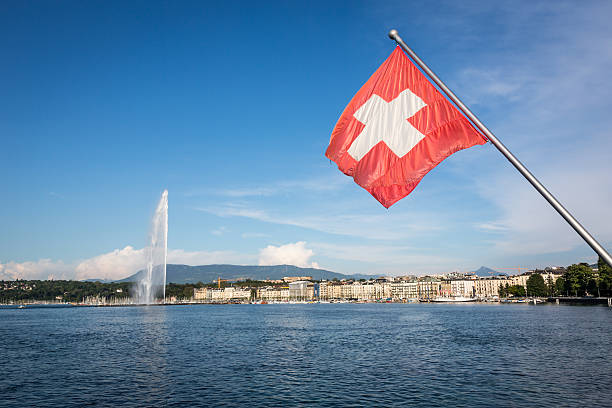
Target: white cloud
x,y
114,265
117,264
41,269
290,254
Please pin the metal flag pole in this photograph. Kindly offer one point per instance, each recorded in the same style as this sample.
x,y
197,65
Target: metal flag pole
x,y
393,34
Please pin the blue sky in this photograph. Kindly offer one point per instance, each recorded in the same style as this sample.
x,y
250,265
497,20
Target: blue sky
x,y
230,107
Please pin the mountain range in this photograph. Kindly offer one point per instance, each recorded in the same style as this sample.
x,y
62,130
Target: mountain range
x,y
207,273
176,273
484,271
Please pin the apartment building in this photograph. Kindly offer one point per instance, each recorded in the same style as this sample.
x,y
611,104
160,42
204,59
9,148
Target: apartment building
x,y
405,290
273,294
222,295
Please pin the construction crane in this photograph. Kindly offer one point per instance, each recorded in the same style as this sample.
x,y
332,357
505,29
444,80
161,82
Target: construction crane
x,y
219,282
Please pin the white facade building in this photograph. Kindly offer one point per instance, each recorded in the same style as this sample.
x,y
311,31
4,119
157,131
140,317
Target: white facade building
x,y
405,290
222,295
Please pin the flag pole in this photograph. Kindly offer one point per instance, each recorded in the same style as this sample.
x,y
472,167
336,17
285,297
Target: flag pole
x,y
393,34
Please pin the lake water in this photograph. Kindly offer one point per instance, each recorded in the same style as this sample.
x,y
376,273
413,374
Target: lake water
x,y
310,354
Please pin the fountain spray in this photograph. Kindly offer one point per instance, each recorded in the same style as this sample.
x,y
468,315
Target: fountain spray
x,y
152,283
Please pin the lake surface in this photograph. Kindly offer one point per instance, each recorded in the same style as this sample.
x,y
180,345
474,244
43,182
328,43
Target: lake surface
x,y
310,354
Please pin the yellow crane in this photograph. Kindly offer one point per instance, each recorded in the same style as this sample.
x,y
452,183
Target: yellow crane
x,y
219,282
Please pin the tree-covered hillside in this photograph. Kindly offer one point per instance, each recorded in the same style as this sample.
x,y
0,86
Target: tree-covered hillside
x,y
59,290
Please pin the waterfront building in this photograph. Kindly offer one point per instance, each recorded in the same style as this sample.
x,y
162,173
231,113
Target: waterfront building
x,y
444,289
324,290
429,287
405,290
222,295
273,294
463,288
489,287
371,291
551,275
422,288
364,291
520,280
201,294
301,290
330,290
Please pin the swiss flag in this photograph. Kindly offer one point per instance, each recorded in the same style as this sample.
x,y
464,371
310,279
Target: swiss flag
x,y
396,129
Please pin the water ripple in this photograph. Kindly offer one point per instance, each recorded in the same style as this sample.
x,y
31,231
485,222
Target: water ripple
x,y
307,355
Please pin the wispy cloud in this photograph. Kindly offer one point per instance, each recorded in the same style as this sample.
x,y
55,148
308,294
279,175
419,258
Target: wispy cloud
x,y
56,195
248,192
247,235
536,81
492,227
530,226
546,100
365,225
330,181
392,259
219,231
549,79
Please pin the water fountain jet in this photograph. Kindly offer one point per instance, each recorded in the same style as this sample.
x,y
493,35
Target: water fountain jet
x,y
151,287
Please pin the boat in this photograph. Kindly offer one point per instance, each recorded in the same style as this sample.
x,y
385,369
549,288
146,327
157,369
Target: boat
x,y
454,299
21,307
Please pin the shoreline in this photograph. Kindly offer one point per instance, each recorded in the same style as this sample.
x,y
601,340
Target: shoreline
x,y
568,301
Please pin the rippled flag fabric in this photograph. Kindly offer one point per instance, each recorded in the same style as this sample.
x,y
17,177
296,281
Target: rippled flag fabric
x,y
396,129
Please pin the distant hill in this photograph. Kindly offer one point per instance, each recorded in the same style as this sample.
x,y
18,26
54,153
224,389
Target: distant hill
x,y
208,273
484,271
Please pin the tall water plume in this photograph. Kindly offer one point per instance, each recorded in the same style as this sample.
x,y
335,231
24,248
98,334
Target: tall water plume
x,y
152,284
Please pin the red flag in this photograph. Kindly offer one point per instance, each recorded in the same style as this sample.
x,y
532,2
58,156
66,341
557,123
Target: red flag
x,y
396,129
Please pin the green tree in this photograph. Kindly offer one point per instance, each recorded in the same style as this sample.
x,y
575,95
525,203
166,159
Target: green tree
x,y
560,286
516,290
188,292
592,287
550,285
536,285
605,278
577,277
503,290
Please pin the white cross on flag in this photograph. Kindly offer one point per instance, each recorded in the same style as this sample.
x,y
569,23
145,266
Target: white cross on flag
x,y
396,129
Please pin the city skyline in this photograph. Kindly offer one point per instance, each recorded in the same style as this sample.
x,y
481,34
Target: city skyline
x,y
231,107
